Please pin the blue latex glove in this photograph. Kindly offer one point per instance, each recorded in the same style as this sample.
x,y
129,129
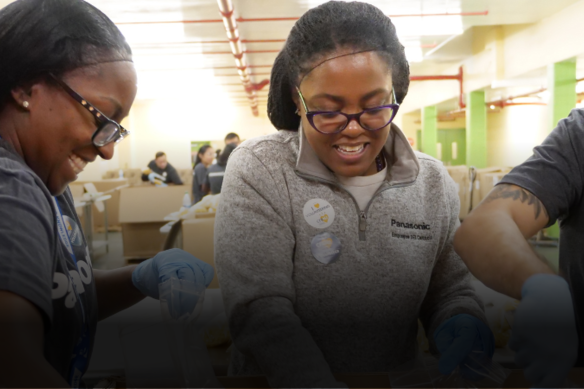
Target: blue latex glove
x,y
459,336
544,334
171,263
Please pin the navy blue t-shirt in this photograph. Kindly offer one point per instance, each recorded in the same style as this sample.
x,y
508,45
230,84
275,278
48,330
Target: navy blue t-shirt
x,y
555,175
37,266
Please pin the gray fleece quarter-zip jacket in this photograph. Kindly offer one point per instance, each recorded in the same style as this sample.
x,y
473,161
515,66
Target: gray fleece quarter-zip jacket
x,y
311,284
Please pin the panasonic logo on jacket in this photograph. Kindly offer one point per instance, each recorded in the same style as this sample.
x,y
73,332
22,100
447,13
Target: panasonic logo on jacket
x,y
411,226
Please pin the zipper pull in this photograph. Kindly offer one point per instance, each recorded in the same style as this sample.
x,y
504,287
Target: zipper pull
x,y
363,221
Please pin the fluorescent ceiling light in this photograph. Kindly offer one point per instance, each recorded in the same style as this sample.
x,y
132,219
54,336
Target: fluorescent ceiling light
x,y
144,11
416,25
414,54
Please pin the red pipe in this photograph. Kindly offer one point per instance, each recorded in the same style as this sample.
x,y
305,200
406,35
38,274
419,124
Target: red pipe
x,y
423,46
503,104
226,11
293,18
458,77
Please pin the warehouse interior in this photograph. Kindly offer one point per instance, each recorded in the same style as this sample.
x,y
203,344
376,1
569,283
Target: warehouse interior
x,y
489,81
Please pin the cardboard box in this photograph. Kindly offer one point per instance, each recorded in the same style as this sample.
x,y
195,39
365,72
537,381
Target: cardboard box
x,y
113,204
492,179
134,176
482,185
186,175
198,239
142,212
460,175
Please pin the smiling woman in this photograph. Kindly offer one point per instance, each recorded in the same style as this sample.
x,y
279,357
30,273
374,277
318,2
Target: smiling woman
x,y
317,275
67,81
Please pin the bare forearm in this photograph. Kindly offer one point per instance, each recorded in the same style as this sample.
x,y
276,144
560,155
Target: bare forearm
x,y
115,290
496,252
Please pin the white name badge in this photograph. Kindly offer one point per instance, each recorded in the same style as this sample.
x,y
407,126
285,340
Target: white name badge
x,y
319,213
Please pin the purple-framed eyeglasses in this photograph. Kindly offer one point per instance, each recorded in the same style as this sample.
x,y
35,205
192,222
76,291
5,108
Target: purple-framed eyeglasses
x,y
333,122
108,130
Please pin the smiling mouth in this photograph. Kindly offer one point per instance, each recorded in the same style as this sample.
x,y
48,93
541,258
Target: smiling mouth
x,y
77,163
351,150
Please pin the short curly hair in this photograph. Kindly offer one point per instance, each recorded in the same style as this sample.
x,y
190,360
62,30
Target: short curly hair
x,y
321,31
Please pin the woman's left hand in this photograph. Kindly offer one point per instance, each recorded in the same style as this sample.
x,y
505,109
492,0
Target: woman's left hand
x,y
459,337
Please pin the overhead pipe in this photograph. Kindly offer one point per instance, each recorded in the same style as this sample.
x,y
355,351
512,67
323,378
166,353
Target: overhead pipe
x,y
502,103
458,77
226,10
244,41
293,18
227,52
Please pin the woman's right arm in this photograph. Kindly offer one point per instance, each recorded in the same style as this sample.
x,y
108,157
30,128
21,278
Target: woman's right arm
x,y
26,280
254,251
22,361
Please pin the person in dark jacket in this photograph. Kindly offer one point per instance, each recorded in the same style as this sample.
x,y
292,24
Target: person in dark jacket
x,y
205,157
166,172
215,173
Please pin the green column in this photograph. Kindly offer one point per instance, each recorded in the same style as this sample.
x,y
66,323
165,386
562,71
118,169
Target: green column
x,y
562,88
476,129
429,131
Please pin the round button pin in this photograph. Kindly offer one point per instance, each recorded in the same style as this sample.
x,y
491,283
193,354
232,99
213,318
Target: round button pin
x,y
319,213
326,248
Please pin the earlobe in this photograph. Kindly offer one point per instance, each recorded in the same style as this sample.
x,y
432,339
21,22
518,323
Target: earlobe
x,y
297,103
21,97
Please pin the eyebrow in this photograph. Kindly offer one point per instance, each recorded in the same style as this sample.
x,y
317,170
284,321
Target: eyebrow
x,y
339,99
117,105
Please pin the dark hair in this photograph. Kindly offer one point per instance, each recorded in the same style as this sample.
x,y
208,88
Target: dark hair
x,y
159,154
321,31
202,151
222,160
231,135
57,36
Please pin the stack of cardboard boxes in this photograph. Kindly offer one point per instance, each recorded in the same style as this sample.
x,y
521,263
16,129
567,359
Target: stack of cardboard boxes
x,y
134,176
142,212
461,177
484,181
474,185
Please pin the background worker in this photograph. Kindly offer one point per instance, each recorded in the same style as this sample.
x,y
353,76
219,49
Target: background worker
x,y
214,179
165,171
232,137
548,326
205,157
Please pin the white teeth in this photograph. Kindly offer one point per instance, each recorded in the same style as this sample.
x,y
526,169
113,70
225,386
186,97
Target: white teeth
x,y
351,149
77,163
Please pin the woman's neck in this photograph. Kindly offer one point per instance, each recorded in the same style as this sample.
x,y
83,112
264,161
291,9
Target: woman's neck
x,y
8,131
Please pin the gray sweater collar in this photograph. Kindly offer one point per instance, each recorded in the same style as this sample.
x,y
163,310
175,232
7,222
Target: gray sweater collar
x,y
403,165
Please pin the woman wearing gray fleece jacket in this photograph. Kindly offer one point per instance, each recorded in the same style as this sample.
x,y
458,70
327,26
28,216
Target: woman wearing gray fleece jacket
x,y
333,236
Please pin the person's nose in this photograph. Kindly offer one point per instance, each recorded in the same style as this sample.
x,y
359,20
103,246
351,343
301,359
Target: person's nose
x,y
106,152
353,129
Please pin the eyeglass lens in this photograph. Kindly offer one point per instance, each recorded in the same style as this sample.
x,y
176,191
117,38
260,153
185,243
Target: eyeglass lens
x,y
373,119
107,133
